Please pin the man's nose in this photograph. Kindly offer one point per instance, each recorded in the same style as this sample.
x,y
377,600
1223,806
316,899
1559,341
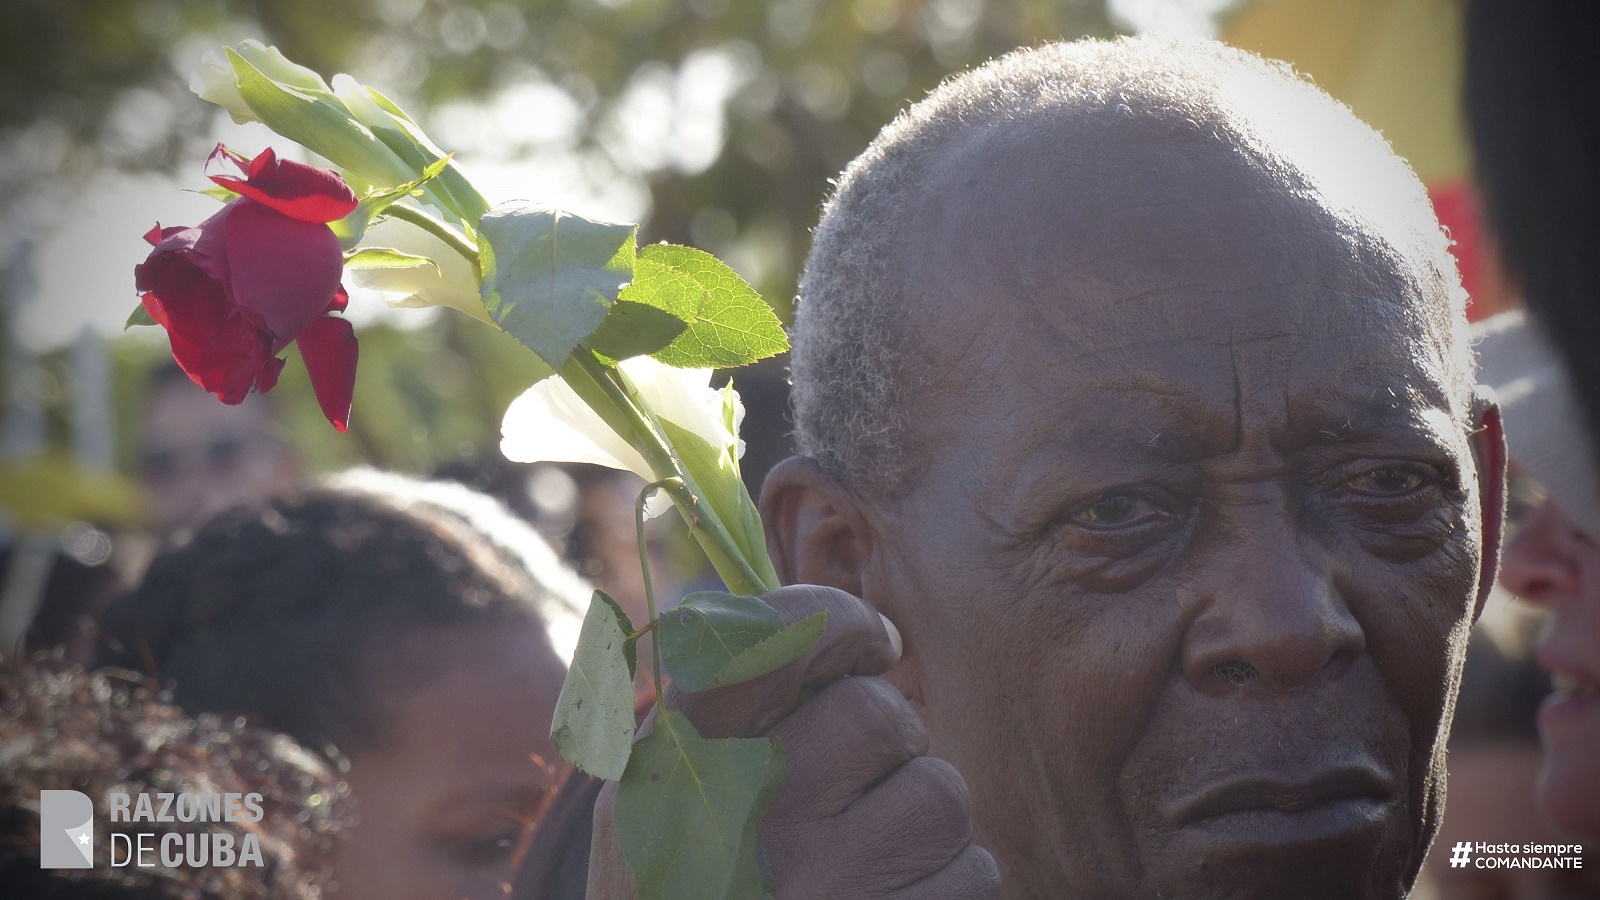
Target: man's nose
x,y
1269,617
1541,563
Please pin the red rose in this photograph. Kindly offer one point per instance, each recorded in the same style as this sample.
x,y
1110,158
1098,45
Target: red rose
x,y
235,290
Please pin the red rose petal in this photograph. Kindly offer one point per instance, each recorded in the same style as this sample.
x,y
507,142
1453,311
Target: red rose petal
x,y
227,362
294,189
156,235
330,351
285,270
267,377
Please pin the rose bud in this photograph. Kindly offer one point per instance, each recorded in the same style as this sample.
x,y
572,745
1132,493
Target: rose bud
x,y
234,291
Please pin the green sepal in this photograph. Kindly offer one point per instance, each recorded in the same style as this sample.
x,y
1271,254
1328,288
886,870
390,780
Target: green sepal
x,y
139,316
713,476
411,144
353,227
385,258
317,119
218,193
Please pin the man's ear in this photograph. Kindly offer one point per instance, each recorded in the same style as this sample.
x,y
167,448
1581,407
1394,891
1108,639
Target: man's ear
x,y
816,530
1489,450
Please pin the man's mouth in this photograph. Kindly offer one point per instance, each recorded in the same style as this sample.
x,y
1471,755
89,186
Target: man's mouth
x,y
1290,809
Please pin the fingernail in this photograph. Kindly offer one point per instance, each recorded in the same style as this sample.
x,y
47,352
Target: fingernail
x,y
894,635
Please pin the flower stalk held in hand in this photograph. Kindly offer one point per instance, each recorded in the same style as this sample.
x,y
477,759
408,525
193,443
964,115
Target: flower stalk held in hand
x,y
627,338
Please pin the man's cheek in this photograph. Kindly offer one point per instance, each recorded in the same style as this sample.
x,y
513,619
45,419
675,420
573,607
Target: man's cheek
x,y
1416,619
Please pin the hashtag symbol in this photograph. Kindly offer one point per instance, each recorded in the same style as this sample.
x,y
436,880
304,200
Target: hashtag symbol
x,y
1460,855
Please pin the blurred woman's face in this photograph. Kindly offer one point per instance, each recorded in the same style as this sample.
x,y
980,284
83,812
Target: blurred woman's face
x,y
442,803
1550,563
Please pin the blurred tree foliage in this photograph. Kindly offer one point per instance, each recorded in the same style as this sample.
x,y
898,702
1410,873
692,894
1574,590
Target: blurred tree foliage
x,y
796,88
98,81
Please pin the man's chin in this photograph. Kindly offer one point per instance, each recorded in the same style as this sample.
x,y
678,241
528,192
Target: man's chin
x,y
1345,849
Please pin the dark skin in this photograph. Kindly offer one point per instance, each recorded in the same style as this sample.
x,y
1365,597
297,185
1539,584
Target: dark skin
x,y
1184,568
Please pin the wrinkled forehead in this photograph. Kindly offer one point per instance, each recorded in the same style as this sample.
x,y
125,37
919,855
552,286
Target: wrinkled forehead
x,y
1116,235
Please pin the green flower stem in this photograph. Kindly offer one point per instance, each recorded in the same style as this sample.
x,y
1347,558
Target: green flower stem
x,y
644,565
441,231
591,380
598,386
740,574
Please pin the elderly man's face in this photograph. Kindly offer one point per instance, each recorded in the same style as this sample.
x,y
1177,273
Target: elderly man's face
x,y
1194,532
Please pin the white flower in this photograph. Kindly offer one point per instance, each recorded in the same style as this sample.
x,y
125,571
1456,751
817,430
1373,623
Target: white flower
x,y
216,81
449,282
549,423
685,398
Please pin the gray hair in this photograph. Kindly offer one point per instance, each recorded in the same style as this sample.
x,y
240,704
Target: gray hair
x,y
850,363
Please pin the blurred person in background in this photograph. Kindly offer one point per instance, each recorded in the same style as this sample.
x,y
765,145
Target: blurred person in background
x,y
56,607
1533,107
1494,764
62,729
198,457
1533,111
1552,559
407,627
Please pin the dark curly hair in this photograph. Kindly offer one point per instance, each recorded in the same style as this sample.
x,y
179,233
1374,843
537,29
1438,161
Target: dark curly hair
x,y
63,729
279,610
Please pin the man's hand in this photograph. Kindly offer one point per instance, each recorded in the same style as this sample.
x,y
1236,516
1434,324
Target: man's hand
x,y
864,811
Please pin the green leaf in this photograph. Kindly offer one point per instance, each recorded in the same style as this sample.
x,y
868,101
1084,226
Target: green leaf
x,y
687,812
729,323
772,654
318,120
385,258
634,329
713,639
593,725
550,278
139,316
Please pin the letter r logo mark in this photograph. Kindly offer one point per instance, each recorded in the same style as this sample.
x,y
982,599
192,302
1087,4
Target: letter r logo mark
x,y
66,830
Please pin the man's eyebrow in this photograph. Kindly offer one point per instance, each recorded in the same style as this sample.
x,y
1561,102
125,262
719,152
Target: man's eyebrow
x,y
1381,411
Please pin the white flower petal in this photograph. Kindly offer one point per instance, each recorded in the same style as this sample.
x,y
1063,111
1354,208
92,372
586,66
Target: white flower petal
x,y
682,397
213,81
452,284
549,423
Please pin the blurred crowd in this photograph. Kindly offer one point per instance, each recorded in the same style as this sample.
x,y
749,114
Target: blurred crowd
x,y
401,639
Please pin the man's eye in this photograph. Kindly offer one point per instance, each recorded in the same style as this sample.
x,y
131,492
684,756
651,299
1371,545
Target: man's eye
x,y
1389,481
1118,510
